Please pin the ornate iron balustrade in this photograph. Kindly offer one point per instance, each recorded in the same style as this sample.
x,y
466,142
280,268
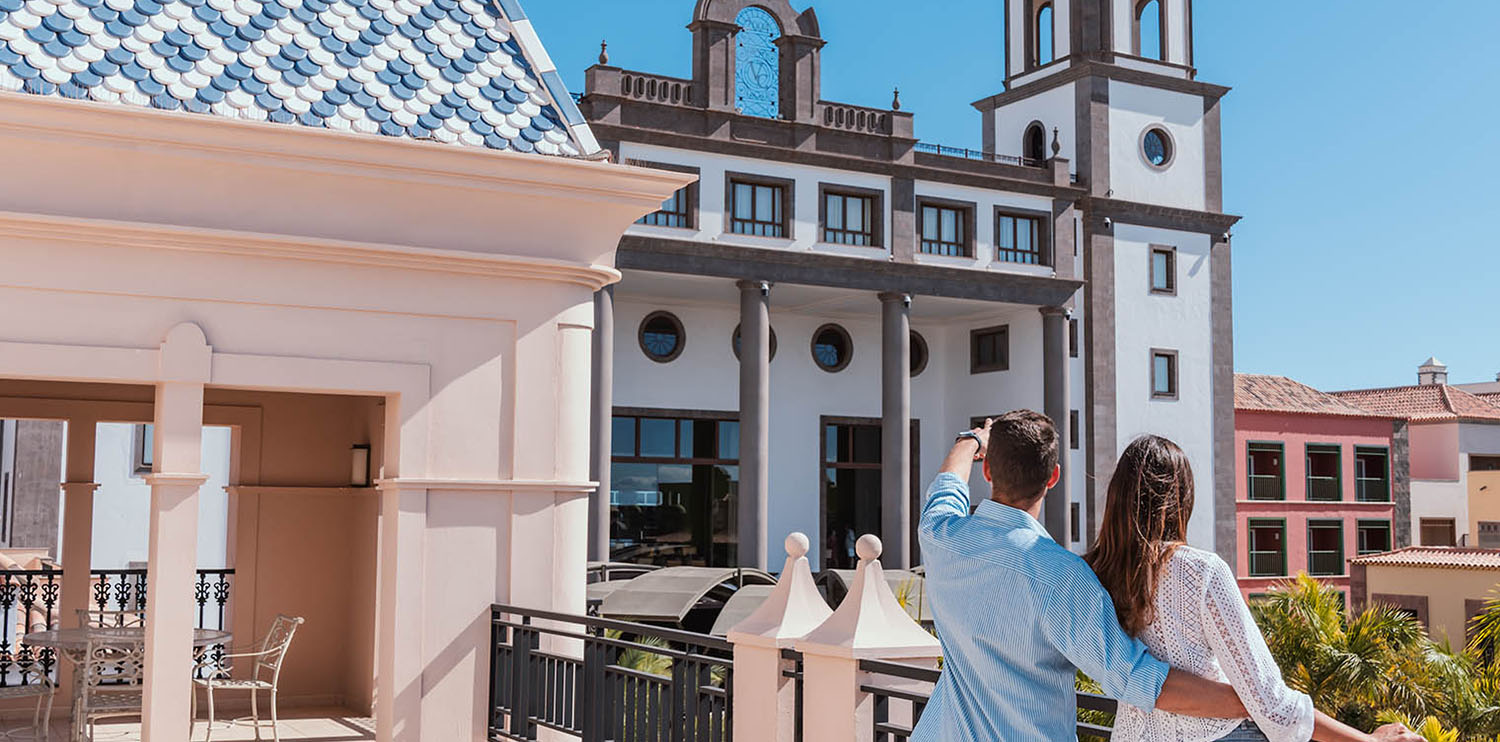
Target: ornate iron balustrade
x,y
974,154
601,679
902,695
29,601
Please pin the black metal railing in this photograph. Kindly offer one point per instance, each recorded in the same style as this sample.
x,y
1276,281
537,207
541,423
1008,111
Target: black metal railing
x,y
974,154
600,679
30,601
897,709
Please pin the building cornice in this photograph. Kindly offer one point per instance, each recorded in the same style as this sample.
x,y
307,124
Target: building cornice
x,y
1164,217
1080,69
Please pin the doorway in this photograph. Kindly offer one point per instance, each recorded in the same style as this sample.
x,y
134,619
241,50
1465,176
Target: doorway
x,y
850,484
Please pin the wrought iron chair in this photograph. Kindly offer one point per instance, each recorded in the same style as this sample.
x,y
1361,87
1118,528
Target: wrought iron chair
x,y
91,618
113,672
265,674
35,683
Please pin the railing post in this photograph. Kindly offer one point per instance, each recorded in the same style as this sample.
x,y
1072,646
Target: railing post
x,y
521,643
869,624
763,695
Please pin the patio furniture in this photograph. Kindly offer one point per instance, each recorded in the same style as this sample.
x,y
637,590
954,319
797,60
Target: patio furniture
x,y
101,619
265,674
113,672
35,684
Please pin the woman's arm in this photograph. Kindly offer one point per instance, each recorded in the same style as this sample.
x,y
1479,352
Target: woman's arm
x,y
1328,729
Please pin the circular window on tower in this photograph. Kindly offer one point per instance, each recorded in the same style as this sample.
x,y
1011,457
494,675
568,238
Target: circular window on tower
x,y
918,353
1156,147
662,336
736,342
832,348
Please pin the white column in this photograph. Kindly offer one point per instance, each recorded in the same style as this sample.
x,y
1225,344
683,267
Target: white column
x,y
172,561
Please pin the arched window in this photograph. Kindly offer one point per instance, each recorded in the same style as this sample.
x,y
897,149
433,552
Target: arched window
x,y
1150,30
1044,34
757,71
1034,145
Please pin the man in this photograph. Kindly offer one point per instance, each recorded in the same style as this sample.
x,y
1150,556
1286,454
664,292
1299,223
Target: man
x,y
1017,613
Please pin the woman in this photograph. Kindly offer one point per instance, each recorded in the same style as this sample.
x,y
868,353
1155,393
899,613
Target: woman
x,y
1185,605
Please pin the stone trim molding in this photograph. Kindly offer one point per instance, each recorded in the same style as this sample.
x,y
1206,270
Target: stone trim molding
x,y
1082,68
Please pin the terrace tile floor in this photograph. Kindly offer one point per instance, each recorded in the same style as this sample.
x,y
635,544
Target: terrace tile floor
x,y
299,725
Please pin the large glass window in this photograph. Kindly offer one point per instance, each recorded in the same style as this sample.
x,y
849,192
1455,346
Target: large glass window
x,y
989,349
851,489
1323,480
1372,474
1018,240
757,72
849,219
1373,536
757,209
1267,547
674,483
945,230
1267,477
1325,547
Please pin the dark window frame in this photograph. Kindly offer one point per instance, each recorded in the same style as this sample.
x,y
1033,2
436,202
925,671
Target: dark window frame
x,y
1041,239
1174,370
142,450
1325,523
689,194
786,187
824,465
1250,525
1075,439
843,363
966,209
1250,475
1135,23
1362,524
875,211
640,336
1003,364
917,341
1034,150
1074,337
1171,287
734,342
1361,484
1338,478
1450,523
1484,462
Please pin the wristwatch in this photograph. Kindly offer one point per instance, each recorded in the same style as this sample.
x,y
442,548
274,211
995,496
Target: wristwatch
x,y
973,435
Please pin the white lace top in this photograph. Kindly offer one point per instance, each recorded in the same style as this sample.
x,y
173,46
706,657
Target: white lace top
x,y
1203,626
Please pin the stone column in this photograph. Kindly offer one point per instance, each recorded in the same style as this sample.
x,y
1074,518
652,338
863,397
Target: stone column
x,y
78,531
178,442
755,417
1055,404
895,429
601,421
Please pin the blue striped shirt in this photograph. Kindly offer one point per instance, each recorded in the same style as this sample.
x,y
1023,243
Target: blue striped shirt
x,y
1016,613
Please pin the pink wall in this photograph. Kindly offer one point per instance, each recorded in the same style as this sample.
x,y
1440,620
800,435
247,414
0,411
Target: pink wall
x,y
1434,451
1295,432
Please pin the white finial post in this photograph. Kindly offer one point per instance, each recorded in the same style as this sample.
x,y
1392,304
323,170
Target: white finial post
x,y
869,625
763,695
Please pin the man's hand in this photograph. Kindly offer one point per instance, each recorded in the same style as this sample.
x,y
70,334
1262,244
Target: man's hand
x,y
983,432
966,451
1395,733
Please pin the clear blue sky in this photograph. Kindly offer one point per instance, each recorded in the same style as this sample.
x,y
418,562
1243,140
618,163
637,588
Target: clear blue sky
x,y
1360,145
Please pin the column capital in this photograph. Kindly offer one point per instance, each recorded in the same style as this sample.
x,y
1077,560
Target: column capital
x,y
891,297
1063,312
764,287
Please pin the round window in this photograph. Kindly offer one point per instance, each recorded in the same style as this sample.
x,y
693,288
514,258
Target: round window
x,y
832,348
918,353
736,342
662,336
1156,146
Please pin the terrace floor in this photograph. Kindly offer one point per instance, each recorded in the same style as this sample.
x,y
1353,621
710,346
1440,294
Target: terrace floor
x,y
299,725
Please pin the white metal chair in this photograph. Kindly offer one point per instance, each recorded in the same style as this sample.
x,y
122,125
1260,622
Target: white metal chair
x,y
35,684
265,673
113,672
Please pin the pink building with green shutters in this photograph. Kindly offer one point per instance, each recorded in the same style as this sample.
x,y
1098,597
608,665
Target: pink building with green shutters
x,y
1318,482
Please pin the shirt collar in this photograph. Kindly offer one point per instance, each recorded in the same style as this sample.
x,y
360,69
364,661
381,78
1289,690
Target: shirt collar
x,y
1009,517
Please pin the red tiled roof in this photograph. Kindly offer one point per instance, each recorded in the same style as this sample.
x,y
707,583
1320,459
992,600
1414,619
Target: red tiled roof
x,y
1260,393
1448,557
1424,403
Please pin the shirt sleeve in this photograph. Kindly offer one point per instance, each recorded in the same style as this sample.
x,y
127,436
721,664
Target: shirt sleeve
x,y
1079,620
1284,715
947,497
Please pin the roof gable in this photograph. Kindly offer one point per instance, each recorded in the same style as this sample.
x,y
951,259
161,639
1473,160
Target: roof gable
x,y
1260,393
454,71
1423,403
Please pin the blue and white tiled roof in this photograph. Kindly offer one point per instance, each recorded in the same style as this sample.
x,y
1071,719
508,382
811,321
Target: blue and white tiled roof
x,y
458,71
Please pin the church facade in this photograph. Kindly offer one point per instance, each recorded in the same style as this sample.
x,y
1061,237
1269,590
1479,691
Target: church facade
x,y
799,335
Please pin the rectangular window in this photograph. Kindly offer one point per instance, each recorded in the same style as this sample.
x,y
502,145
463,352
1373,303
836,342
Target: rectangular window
x,y
1323,467
1074,527
989,349
1325,547
1163,269
1073,338
1438,532
1372,474
1264,462
681,210
757,208
1267,547
1163,374
851,488
1018,239
1373,536
144,454
674,483
851,218
1484,463
1489,534
1073,434
945,230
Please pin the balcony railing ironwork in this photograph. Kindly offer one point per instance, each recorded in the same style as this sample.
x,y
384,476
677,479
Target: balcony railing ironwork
x,y
1372,489
1267,487
30,601
1323,489
974,154
600,679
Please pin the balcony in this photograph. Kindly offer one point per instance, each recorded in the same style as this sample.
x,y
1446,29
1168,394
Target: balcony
x,y
1267,487
1372,489
1323,489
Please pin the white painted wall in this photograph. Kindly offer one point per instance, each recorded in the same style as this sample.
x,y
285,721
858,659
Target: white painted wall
x,y
1182,322
1132,110
122,504
1478,438
1439,499
1175,12
1054,108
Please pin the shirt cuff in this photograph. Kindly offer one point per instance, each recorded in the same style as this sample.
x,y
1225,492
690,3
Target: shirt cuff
x,y
1144,685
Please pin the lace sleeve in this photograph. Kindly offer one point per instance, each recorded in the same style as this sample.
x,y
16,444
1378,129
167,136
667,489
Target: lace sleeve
x,y
1283,714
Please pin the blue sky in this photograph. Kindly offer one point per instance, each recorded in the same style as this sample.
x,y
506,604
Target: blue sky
x,y
1359,145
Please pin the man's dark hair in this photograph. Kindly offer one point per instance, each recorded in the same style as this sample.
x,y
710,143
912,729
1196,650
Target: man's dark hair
x,y
1021,457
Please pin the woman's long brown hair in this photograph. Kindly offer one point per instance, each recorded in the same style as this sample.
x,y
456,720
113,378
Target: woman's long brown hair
x,y
1145,520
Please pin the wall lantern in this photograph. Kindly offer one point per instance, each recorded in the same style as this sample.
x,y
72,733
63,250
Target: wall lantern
x,y
359,465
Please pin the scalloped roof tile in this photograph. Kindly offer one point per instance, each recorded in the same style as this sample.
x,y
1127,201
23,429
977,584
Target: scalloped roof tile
x,y
1423,403
464,72
1261,393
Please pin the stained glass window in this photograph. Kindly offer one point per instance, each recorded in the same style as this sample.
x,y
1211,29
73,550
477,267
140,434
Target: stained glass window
x,y
757,74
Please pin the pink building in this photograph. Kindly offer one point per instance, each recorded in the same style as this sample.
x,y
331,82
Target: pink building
x,y
1318,482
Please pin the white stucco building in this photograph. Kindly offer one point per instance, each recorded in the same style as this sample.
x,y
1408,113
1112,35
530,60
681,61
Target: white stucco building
x,y
799,335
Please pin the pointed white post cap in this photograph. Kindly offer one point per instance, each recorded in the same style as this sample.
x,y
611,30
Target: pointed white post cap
x,y
870,623
793,608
